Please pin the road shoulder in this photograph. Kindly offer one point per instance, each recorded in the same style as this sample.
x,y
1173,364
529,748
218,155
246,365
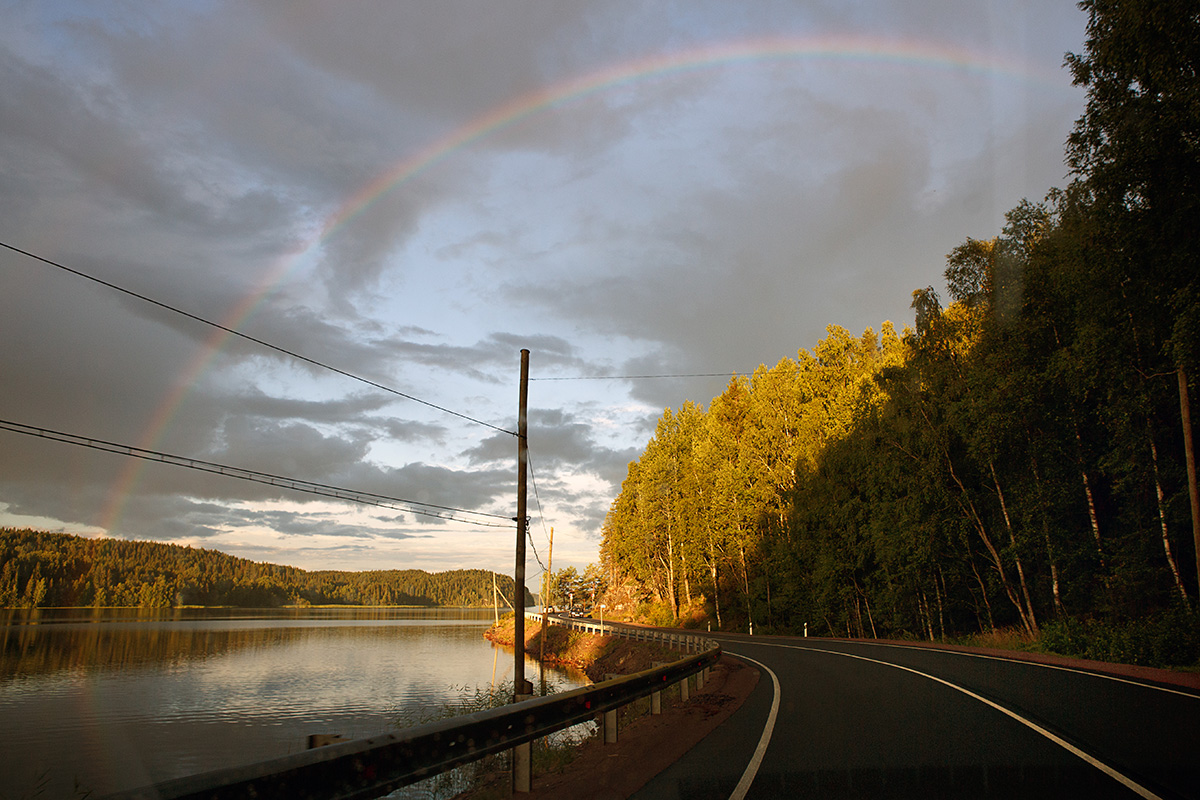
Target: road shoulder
x,y
647,745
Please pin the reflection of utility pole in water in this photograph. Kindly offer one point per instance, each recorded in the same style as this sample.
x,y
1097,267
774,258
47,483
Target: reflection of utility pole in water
x,y
495,657
496,614
547,580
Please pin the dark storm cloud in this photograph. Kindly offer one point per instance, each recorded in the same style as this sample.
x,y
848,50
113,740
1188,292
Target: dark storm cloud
x,y
559,440
299,523
563,445
257,403
495,359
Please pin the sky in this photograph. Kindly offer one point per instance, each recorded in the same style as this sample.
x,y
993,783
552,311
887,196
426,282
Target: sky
x,y
412,192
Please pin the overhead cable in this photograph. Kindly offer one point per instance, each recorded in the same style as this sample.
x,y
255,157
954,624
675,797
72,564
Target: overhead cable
x,y
541,514
283,482
247,337
638,377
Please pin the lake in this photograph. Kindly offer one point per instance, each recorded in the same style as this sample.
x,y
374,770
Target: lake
x,y
115,698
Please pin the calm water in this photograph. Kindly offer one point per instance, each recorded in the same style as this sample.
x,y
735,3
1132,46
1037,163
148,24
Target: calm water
x,y
117,699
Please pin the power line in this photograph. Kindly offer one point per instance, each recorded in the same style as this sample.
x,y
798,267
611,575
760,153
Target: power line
x,y
639,377
293,484
541,514
249,338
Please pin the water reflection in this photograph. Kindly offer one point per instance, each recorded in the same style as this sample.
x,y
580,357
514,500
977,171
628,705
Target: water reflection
x,y
37,642
120,699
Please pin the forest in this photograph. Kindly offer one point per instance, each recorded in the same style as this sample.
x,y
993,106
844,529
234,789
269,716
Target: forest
x,y
1020,457
40,570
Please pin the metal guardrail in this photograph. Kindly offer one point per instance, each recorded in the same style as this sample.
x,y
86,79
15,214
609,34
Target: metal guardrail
x,y
369,768
686,642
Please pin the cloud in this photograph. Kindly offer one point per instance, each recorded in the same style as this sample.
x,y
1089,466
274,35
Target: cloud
x,y
233,159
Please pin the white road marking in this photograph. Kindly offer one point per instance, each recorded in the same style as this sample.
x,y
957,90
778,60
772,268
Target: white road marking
x,y
1121,778
1130,681
743,786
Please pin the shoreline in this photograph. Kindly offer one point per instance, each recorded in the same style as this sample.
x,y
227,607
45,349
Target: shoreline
x,y
594,656
243,608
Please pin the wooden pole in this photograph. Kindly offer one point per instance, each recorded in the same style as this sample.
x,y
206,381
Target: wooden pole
x,y
521,772
519,571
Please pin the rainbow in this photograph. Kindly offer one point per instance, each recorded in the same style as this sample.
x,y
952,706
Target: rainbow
x,y
855,49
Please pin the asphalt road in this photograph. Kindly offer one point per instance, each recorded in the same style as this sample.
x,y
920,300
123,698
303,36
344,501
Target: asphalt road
x,y
835,718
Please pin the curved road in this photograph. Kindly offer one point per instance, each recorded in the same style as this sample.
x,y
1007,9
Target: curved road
x,y
837,718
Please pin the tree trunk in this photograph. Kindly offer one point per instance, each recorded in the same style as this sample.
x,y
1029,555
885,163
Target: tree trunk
x,y
926,616
987,604
746,585
712,567
968,508
1093,516
1031,623
1162,520
940,592
1054,581
674,598
1189,450
871,617
767,576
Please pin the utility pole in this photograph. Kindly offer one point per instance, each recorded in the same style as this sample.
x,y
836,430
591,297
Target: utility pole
x,y
522,690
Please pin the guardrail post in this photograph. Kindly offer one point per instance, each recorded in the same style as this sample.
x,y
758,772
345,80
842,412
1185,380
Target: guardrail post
x,y
656,697
683,690
610,717
699,680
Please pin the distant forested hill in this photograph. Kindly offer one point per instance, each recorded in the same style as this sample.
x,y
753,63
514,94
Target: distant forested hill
x,y
40,569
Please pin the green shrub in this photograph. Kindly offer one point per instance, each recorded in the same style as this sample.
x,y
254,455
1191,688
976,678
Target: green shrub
x,y
658,614
1170,639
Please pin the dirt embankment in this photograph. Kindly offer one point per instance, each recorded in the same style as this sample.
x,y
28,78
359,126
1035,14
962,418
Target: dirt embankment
x,y
595,656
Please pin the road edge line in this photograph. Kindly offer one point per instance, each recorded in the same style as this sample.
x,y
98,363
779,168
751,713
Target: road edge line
x,y
1111,772
751,771
1062,668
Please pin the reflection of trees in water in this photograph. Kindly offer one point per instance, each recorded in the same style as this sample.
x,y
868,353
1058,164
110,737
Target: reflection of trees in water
x,y
40,648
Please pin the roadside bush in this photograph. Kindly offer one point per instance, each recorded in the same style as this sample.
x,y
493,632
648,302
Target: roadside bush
x,y
658,614
1171,639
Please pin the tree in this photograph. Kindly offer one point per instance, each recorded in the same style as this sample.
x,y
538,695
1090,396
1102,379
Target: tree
x,y
1136,147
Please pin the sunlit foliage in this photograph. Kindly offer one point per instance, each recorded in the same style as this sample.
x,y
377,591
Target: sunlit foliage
x,y
1020,457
